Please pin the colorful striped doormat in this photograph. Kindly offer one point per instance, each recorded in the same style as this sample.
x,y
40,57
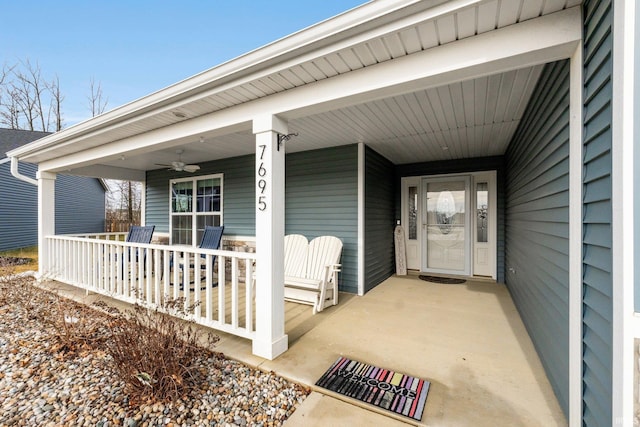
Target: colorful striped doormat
x,y
393,391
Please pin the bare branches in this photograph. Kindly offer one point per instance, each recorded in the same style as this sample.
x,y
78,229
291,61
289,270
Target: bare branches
x,y
97,102
27,101
30,101
124,201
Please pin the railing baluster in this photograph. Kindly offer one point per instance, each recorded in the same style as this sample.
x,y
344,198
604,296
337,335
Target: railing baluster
x,y
222,299
209,285
248,284
156,276
234,293
176,275
197,289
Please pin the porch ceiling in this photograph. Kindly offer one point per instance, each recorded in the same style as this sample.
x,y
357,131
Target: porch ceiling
x,y
466,118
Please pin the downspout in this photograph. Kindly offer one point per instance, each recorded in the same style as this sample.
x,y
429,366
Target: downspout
x,y
16,173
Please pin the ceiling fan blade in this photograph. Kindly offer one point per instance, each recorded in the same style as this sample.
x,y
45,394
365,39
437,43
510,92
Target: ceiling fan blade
x,y
191,168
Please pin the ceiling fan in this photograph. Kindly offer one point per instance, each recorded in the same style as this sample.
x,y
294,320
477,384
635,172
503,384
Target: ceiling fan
x,y
179,165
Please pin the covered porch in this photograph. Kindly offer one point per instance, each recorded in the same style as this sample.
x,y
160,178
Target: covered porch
x,y
311,135
467,339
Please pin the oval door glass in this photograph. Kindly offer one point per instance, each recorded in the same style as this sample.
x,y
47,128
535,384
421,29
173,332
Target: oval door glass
x,y
446,232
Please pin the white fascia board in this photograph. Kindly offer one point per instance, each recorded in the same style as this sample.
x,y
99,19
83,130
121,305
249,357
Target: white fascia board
x,y
549,38
247,67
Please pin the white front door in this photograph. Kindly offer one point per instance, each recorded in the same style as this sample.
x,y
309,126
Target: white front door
x,y
446,225
450,223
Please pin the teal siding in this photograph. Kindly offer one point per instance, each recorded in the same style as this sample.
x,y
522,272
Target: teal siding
x,y
321,198
597,303
379,256
461,166
537,223
79,207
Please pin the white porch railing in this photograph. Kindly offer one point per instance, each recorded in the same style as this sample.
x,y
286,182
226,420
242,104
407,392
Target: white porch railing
x,y
150,275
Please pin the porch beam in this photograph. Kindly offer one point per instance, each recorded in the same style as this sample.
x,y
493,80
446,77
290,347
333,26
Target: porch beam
x,y
536,41
110,172
270,341
46,217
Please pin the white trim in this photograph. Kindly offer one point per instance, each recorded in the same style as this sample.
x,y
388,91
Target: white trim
x,y
5,160
361,218
194,213
622,208
143,203
575,239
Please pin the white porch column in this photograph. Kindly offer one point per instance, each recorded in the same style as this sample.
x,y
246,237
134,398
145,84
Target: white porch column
x,y
270,341
46,217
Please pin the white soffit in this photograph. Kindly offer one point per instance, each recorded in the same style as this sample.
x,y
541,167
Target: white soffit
x,y
410,28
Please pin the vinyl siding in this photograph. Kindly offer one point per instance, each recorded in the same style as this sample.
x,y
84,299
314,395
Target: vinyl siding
x,y
597,301
320,197
460,166
79,207
379,221
18,209
537,223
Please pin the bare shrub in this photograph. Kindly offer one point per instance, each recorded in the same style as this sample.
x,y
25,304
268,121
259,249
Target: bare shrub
x,y
156,355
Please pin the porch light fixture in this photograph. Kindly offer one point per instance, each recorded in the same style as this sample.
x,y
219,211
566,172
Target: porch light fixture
x,y
445,148
179,114
282,138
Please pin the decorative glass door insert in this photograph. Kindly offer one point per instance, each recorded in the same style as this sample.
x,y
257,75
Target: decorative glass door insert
x,y
446,228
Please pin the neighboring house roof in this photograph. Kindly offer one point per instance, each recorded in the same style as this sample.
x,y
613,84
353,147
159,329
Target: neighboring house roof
x,y
13,138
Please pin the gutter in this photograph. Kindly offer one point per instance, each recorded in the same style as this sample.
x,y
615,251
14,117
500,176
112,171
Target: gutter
x,y
16,173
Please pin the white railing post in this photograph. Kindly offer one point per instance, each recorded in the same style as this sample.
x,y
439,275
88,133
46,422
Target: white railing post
x,y
46,218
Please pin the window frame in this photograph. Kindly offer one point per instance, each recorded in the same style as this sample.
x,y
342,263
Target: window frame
x,y
194,214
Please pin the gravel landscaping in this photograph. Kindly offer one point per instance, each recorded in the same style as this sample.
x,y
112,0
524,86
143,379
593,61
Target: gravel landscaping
x,y
55,370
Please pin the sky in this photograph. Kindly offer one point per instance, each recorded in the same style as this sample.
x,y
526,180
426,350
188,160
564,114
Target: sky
x,y
136,47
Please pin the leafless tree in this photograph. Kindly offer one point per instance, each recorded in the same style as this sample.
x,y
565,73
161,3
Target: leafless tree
x,y
56,103
27,101
97,101
124,201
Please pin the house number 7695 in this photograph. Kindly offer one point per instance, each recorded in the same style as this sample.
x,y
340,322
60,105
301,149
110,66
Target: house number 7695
x,y
262,183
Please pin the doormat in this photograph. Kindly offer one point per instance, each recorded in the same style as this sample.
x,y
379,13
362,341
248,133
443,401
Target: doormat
x,y
445,280
393,391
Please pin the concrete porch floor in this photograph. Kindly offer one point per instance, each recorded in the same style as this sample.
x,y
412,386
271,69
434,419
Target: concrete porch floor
x,y
467,340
